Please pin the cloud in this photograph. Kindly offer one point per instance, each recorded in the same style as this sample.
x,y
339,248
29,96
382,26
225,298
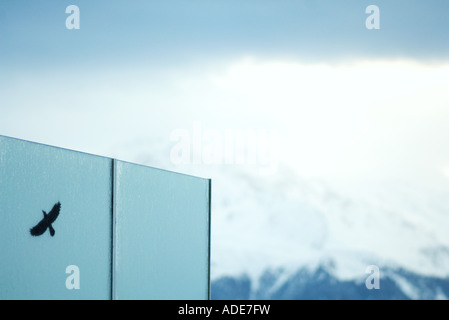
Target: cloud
x,y
358,120
445,171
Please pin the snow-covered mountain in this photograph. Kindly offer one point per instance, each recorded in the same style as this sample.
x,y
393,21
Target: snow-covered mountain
x,y
283,236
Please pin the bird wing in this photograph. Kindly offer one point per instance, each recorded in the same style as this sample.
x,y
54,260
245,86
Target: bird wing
x,y
53,214
39,229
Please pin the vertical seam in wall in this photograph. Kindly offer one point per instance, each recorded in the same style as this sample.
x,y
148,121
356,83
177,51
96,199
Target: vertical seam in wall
x,y
113,229
210,225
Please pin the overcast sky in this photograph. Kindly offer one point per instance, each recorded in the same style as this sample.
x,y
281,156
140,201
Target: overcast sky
x,y
345,101
33,33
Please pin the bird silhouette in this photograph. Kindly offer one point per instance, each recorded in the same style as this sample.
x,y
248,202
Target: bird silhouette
x,y
46,222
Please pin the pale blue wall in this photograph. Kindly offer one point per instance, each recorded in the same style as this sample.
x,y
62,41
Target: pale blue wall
x,y
161,231
34,177
162,234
